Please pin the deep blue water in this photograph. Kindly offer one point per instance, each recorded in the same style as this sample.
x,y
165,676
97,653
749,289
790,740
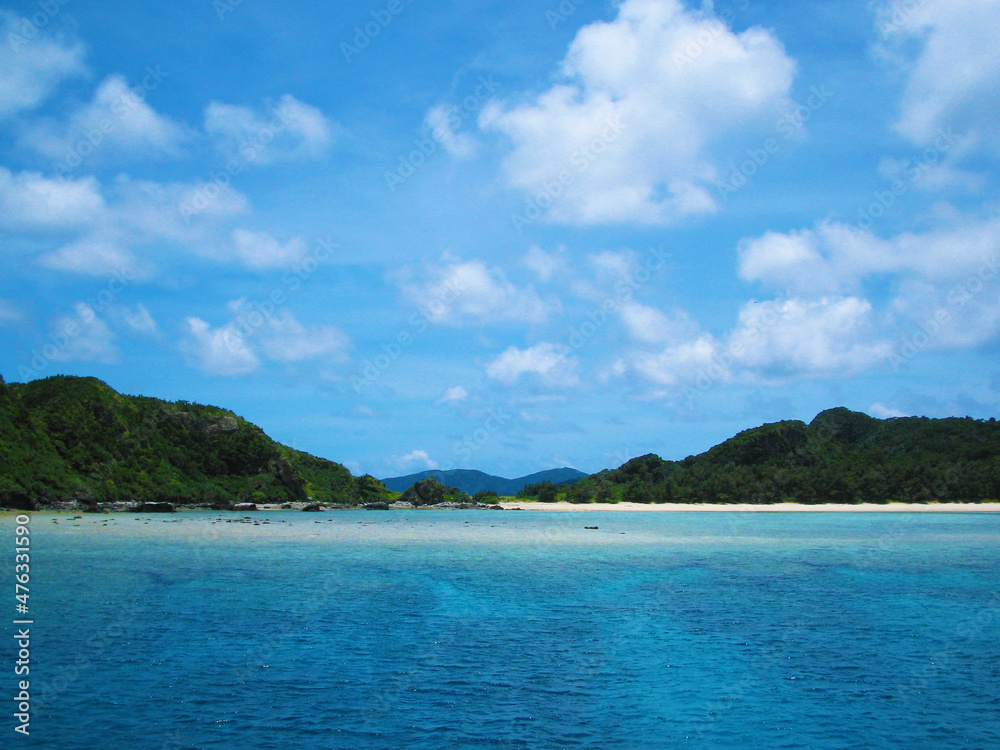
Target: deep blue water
x,y
452,629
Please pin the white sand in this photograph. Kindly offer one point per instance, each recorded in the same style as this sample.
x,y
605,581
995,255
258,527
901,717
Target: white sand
x,y
777,508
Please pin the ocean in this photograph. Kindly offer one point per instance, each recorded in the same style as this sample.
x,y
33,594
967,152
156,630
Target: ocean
x,y
489,629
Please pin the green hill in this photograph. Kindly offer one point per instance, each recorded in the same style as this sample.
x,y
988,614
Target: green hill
x,y
840,457
67,437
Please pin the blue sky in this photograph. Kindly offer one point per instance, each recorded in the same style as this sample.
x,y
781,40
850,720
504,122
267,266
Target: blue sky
x,y
507,236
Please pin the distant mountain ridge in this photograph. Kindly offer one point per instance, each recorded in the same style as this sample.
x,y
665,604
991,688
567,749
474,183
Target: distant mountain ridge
x,y
471,481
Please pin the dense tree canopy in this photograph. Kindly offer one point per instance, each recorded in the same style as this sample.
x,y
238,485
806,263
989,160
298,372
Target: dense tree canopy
x,y
67,437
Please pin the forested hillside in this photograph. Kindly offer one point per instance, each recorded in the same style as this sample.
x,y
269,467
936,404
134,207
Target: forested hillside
x,y
840,457
67,437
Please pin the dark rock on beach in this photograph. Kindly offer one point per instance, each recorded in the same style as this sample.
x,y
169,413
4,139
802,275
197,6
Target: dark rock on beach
x,y
313,508
153,508
17,500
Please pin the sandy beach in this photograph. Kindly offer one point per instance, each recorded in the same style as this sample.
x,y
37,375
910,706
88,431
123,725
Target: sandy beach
x,y
776,508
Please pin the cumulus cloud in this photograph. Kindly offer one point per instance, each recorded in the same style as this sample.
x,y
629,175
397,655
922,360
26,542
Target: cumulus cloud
x,y
454,395
281,131
253,334
544,264
97,254
139,320
549,362
954,75
834,257
33,63
772,341
419,457
10,313
881,411
828,336
650,326
218,351
470,291
84,337
117,122
680,363
31,202
259,250
628,133
443,127
114,225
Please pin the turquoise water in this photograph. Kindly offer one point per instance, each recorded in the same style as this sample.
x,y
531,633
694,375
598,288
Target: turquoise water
x,y
452,629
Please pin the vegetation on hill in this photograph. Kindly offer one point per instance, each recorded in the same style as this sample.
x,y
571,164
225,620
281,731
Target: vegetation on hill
x,y
431,492
68,437
840,457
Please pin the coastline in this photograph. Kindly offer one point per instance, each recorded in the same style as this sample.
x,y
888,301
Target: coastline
x,y
776,508
567,507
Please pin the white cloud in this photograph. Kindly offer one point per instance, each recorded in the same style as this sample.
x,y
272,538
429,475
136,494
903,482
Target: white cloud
x,y
286,340
650,326
283,131
10,313
97,255
139,320
259,250
84,337
419,457
954,78
253,333
630,129
454,395
118,122
881,411
33,63
31,202
463,291
546,360
834,257
544,264
772,341
681,363
439,120
218,351
796,337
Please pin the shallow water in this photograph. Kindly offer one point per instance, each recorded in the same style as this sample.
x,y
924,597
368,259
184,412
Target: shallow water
x,y
472,629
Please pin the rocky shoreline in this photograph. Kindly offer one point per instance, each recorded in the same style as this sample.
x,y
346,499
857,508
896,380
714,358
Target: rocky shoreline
x,y
89,506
